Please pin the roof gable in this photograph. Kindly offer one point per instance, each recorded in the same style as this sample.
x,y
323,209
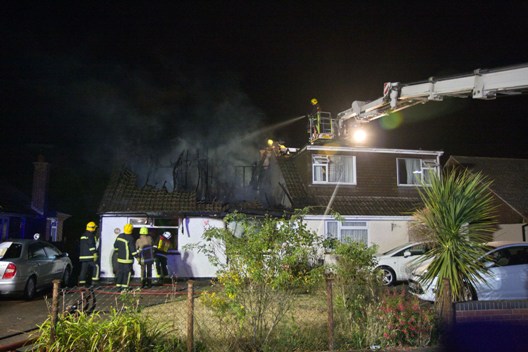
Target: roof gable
x,y
509,176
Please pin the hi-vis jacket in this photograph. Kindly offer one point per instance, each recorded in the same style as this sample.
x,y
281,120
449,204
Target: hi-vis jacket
x,y
88,250
145,249
162,247
125,249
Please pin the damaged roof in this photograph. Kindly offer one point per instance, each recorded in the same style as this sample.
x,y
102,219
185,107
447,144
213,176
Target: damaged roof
x,y
122,195
509,176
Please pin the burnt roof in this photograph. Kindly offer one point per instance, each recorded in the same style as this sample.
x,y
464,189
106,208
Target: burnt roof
x,y
509,176
122,195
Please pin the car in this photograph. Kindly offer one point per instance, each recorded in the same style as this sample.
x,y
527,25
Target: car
x,y
29,265
396,263
506,279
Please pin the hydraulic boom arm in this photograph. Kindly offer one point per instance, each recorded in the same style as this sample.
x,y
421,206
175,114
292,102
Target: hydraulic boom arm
x,y
481,84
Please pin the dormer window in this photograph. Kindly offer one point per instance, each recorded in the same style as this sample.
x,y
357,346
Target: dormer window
x,y
331,169
414,172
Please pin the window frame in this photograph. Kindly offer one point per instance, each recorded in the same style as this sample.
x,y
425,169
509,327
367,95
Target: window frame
x,y
322,161
427,166
347,224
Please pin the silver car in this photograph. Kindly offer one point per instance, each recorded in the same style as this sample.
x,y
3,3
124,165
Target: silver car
x,y
27,266
506,279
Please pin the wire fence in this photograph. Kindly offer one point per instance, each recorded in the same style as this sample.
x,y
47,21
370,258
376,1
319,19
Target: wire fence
x,y
267,320
304,321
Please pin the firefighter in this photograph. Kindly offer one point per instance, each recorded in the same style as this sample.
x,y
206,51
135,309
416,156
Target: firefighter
x,y
161,249
88,256
126,251
145,256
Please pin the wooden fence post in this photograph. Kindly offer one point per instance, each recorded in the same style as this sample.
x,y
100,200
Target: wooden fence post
x,y
54,309
330,309
190,315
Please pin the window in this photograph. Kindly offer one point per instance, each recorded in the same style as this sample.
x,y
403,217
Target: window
x,y
36,251
346,231
333,169
52,252
415,171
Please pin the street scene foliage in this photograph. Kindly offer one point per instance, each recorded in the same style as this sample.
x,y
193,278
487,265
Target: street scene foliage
x,y
271,294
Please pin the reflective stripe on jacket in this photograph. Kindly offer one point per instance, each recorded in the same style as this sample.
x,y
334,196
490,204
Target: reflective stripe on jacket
x,y
124,246
88,248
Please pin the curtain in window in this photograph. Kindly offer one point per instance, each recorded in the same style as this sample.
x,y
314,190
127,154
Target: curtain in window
x,y
341,169
358,235
319,173
331,229
412,166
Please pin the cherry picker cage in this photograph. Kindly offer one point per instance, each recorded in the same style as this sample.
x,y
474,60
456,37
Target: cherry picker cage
x,y
322,126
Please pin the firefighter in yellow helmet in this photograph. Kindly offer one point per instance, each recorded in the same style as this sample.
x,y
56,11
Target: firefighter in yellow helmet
x,y
145,256
126,251
88,256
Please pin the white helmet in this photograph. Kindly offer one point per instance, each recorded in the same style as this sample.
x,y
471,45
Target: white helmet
x,y
167,235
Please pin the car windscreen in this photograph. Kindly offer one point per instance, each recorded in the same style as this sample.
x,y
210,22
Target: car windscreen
x,y
10,250
396,249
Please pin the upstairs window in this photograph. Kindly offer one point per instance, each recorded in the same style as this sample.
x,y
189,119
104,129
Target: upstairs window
x,y
333,169
414,172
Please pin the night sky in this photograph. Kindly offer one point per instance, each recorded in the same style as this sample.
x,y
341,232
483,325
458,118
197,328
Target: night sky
x,y
89,86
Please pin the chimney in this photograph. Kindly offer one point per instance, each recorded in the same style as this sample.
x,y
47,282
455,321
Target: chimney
x,y
40,185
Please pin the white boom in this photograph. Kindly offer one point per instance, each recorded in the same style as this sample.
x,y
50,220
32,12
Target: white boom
x,y
481,84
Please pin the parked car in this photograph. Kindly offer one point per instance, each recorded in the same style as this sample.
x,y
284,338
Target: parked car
x,y
506,279
28,266
396,264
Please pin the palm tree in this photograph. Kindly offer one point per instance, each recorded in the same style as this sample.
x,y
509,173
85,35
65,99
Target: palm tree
x,y
459,219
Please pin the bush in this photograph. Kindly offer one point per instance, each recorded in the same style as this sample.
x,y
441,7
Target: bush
x,y
268,263
367,313
120,331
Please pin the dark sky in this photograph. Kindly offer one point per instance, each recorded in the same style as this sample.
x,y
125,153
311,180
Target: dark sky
x,y
90,84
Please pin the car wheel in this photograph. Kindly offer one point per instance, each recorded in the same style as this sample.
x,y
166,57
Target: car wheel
x,y
31,288
66,277
389,277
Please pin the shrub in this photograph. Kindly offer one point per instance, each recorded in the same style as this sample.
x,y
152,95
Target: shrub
x,y
268,262
120,331
367,313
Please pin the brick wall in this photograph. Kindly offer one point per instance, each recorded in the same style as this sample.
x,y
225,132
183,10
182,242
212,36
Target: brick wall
x,y
492,311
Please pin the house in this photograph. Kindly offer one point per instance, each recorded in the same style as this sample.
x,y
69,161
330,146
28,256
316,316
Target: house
x,y
510,190
373,190
22,216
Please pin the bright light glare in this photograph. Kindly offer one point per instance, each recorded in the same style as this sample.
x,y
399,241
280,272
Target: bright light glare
x,y
359,135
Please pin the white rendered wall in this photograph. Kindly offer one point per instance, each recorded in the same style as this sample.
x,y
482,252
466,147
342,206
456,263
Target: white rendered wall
x,y
189,264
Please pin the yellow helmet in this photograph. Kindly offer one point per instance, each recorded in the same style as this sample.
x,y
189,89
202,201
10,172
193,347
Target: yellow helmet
x,y
91,226
143,231
128,229
314,101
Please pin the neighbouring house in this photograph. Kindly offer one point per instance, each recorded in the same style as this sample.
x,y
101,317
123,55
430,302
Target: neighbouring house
x,y
373,190
509,187
22,216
